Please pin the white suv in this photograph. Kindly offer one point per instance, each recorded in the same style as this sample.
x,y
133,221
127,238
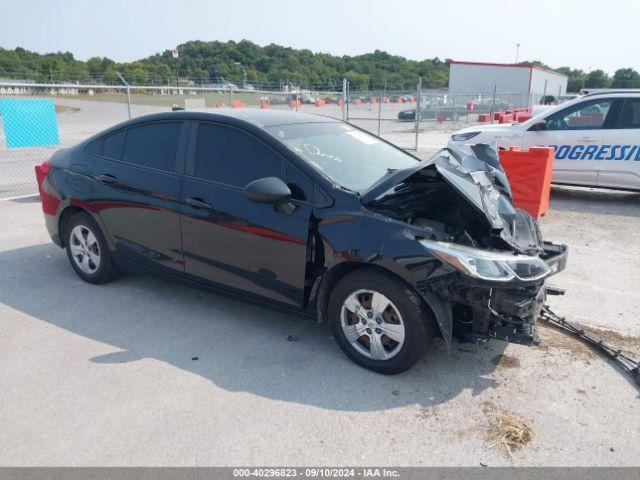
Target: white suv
x,y
596,139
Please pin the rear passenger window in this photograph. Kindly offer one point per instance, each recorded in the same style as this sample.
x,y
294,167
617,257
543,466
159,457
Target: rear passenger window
x,y
232,157
154,145
113,145
630,117
109,146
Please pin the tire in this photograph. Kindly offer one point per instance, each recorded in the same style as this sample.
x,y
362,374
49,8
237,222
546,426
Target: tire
x,y
406,309
91,260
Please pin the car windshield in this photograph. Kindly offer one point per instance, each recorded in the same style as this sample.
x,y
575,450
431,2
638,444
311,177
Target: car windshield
x,y
348,156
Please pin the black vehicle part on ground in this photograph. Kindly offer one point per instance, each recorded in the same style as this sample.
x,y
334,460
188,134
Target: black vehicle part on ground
x,y
629,365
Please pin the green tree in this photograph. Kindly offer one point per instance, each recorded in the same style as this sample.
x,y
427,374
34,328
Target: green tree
x,y
576,78
626,78
597,79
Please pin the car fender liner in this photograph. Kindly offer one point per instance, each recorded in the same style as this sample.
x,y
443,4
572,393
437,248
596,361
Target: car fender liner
x,y
441,308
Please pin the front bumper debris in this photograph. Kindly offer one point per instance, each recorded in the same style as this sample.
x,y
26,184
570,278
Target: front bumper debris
x,y
555,256
506,312
629,365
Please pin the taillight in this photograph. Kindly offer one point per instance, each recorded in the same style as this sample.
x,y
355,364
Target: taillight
x,y
41,173
50,201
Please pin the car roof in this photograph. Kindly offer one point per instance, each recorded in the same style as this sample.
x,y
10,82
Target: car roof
x,y
612,93
258,117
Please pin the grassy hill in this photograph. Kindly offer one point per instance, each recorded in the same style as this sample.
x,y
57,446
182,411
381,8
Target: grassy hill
x,y
209,62
206,62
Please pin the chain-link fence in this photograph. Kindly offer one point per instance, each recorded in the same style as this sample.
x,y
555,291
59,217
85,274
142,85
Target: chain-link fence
x,y
38,119
421,119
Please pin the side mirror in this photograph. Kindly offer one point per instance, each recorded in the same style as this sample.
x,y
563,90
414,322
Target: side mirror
x,y
267,190
538,127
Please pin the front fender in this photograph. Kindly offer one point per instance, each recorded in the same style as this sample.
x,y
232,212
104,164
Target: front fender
x,y
349,240
403,254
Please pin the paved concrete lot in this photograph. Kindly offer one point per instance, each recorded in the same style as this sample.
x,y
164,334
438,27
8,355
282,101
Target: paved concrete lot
x,y
145,372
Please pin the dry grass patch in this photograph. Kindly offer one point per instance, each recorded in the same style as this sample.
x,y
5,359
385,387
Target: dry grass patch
x,y
506,432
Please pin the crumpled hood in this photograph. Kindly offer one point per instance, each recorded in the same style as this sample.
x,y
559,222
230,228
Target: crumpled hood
x,y
476,174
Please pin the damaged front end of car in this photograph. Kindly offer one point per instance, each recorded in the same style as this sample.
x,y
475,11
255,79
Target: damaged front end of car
x,y
483,265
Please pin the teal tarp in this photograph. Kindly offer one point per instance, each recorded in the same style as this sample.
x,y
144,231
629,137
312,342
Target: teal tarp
x,y
29,122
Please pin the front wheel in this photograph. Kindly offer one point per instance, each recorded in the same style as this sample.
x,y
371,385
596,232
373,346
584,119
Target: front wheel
x,y
379,322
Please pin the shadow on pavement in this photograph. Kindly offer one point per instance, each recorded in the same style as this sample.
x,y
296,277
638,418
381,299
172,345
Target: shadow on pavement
x,y
28,199
592,200
238,346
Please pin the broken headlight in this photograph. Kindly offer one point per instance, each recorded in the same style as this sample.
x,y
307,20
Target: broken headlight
x,y
486,265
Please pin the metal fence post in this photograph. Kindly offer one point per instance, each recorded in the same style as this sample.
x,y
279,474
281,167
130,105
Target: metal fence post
x,y
379,112
419,88
344,99
230,97
128,93
455,110
347,100
493,103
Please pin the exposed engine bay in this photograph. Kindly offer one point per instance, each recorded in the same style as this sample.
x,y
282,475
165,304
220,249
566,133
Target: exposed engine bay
x,y
460,207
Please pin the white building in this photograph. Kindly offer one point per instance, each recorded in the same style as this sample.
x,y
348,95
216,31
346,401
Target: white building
x,y
472,77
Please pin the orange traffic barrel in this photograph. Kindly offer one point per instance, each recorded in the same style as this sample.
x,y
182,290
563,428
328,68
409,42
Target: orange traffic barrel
x,y
529,174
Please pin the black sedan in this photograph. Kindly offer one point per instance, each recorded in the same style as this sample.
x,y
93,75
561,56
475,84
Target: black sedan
x,y
309,215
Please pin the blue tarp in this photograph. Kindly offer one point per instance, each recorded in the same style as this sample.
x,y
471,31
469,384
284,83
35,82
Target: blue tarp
x,y
29,122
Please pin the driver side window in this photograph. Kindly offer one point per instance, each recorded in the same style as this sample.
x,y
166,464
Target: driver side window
x,y
584,116
230,156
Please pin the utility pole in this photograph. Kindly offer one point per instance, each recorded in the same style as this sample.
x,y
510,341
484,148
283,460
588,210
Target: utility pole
x,y
517,51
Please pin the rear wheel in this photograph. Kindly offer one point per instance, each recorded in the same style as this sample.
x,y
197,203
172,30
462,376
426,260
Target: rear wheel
x,y
87,250
379,322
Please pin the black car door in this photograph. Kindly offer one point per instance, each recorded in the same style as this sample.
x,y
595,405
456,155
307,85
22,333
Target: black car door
x,y
137,190
229,241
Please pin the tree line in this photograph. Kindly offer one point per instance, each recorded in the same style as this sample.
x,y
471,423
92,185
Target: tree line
x,y
239,62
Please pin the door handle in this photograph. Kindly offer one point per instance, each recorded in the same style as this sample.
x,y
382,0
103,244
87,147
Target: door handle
x,y
587,139
198,203
108,179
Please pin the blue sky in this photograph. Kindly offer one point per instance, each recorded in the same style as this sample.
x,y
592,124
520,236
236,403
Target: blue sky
x,y
581,34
